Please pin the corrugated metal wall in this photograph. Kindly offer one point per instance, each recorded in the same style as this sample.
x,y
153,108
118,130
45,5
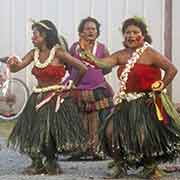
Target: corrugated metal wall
x,y
176,49
15,28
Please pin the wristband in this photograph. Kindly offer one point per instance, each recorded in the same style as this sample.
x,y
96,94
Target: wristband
x,y
157,85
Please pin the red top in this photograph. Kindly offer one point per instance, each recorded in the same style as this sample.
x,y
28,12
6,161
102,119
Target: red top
x,y
140,77
51,73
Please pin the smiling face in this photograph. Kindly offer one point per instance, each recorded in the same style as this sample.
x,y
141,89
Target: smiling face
x,y
89,31
133,37
37,38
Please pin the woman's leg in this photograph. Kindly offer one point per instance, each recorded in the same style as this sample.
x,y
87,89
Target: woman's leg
x,y
93,126
151,169
36,166
49,150
119,165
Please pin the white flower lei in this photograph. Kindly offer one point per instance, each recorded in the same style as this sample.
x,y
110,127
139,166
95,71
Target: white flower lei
x,y
121,94
38,64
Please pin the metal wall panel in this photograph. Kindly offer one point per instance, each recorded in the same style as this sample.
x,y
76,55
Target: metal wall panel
x,y
176,49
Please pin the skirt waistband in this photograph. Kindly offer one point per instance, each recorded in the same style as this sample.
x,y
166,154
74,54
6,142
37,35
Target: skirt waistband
x,y
48,88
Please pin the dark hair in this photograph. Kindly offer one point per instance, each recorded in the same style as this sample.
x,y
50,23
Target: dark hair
x,y
63,43
140,24
47,27
89,19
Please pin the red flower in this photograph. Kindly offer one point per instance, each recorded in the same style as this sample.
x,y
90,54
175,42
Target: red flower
x,y
140,38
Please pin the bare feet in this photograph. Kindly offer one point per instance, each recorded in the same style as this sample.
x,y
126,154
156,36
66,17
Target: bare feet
x,y
53,168
172,168
31,170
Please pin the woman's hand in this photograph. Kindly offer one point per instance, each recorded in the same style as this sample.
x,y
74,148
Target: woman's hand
x,y
157,86
69,85
14,62
84,45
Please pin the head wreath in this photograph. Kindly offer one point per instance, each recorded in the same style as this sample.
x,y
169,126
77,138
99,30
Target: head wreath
x,y
142,20
40,23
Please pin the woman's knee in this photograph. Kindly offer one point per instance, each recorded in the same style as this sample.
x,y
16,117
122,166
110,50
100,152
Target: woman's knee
x,y
109,130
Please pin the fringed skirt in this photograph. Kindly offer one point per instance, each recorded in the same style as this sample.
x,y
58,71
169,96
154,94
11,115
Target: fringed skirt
x,y
144,129
38,128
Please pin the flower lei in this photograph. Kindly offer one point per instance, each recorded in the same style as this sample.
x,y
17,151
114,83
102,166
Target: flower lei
x,y
38,64
121,94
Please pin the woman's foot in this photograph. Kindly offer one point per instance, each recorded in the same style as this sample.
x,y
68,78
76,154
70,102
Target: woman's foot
x,y
172,168
32,170
75,156
36,167
157,174
119,170
111,164
52,167
147,171
152,172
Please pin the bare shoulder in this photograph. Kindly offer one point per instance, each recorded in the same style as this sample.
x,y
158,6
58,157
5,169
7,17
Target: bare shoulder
x,y
119,53
60,52
29,56
152,52
121,56
154,57
64,56
31,52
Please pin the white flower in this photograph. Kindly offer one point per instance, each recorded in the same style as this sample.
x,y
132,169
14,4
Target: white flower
x,y
124,75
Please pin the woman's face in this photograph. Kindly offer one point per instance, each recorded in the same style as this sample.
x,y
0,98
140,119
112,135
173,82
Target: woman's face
x,y
37,38
89,31
133,37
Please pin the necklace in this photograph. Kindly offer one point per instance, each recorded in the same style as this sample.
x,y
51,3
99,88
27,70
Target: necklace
x,y
124,75
38,64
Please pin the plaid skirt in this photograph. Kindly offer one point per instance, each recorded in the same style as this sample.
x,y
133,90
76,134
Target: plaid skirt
x,y
98,100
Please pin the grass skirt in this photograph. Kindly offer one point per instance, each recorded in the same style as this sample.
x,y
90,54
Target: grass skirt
x,y
37,128
138,134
